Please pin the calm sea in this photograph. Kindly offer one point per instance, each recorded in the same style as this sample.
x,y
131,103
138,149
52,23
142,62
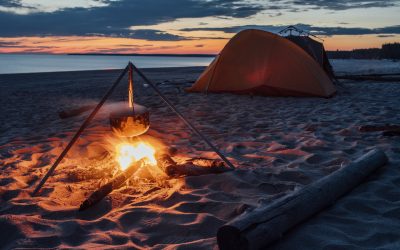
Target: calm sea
x,y
26,63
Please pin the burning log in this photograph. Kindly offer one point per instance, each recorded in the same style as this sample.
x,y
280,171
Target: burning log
x,y
115,183
194,167
260,227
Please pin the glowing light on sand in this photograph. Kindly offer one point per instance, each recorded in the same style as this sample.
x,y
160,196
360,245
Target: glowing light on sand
x,y
128,153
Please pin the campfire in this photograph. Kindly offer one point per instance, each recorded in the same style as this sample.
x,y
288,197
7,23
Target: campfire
x,y
141,160
135,156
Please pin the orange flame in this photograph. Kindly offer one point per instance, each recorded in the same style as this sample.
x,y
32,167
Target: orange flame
x,y
127,153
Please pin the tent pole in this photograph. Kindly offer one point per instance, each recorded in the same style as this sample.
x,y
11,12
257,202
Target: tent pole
x,y
79,132
190,125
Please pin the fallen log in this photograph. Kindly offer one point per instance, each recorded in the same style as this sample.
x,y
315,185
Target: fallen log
x,y
115,183
74,112
371,77
262,226
194,167
391,132
376,128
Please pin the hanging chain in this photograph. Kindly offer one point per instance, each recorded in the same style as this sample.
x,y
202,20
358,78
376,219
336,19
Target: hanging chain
x,y
130,88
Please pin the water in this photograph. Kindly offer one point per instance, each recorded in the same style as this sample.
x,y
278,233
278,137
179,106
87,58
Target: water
x,y
28,63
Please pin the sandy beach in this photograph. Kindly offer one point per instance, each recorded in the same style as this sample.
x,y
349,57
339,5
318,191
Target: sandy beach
x,y
278,145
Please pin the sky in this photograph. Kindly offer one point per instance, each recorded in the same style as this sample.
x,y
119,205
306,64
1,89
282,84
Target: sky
x,y
187,26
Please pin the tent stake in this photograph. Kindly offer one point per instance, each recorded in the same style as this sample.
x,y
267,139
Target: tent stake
x,y
190,125
78,133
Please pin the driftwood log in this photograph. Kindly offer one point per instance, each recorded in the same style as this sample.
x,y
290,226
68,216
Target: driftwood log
x,y
262,226
194,167
115,183
376,128
391,132
387,130
75,112
389,77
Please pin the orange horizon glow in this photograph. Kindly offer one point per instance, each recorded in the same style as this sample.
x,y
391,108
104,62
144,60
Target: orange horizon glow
x,y
113,45
109,45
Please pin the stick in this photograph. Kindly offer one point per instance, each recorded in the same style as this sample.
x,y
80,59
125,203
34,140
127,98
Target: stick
x,y
262,226
190,125
79,132
115,183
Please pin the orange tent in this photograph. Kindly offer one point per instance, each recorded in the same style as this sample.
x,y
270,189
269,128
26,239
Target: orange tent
x,y
261,63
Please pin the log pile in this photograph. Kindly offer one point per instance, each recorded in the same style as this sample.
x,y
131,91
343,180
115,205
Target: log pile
x,y
258,228
193,167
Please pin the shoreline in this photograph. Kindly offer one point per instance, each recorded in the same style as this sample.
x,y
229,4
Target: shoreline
x,y
103,70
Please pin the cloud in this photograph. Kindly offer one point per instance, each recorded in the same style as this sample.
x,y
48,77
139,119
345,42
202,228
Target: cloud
x,y
155,35
7,44
345,4
170,46
316,30
112,18
115,19
10,4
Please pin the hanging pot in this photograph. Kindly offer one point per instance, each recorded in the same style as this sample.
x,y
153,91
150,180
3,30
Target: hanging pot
x,y
130,122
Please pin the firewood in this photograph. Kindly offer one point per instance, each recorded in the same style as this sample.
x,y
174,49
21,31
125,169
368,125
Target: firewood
x,y
115,183
204,162
190,168
258,228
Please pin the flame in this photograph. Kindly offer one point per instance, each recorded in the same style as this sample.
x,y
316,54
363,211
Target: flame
x,y
127,153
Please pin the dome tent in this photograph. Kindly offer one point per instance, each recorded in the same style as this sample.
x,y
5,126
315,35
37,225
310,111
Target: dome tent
x,y
261,63
316,50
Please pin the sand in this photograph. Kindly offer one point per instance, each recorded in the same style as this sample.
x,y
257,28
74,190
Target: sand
x,y
277,144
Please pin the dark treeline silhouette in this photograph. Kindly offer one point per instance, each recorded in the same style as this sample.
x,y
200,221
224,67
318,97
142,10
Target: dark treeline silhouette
x,y
387,51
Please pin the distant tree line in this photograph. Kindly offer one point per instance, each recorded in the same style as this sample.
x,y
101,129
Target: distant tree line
x,y
387,51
